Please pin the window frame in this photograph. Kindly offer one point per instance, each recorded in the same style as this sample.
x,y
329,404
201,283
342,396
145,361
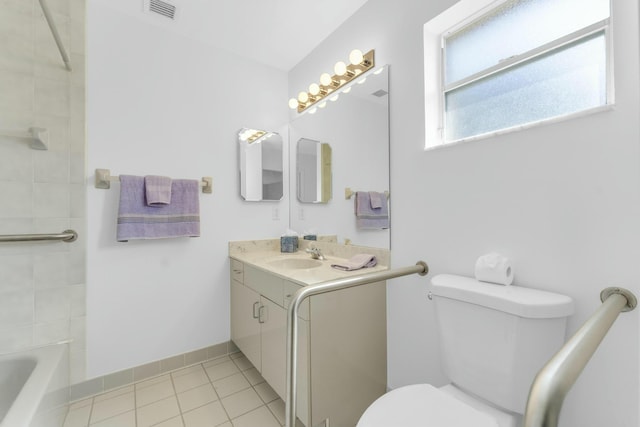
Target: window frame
x,y
438,28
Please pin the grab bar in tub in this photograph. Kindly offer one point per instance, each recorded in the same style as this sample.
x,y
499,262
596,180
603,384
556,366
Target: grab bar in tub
x,y
67,236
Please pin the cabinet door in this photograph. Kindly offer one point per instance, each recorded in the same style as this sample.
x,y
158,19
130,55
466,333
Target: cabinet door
x,y
245,329
274,344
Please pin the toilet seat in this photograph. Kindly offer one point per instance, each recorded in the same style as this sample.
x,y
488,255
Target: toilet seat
x,y
422,405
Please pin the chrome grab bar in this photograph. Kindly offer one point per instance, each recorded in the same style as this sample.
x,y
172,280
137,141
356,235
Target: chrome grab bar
x,y
292,321
67,236
556,378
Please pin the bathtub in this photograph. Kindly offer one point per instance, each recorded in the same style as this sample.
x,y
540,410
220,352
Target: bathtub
x,y
34,387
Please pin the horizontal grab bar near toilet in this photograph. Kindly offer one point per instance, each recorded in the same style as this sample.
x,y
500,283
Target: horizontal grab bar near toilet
x,y
303,293
556,378
67,236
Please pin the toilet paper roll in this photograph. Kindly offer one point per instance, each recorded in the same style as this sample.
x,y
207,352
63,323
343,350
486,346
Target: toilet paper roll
x,y
494,268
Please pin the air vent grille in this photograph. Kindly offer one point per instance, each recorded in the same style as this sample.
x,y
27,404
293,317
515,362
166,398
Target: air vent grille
x,y
380,93
162,8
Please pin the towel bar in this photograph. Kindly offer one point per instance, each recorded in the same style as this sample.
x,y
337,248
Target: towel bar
x,y
104,179
348,192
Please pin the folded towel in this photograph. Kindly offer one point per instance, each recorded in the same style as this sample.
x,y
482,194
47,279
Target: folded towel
x,y
158,190
368,217
357,262
136,220
376,199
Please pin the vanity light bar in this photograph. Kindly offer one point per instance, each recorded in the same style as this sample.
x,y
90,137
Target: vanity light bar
x,y
359,63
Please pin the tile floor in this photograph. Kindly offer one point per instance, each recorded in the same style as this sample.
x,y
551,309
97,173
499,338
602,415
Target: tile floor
x,y
226,392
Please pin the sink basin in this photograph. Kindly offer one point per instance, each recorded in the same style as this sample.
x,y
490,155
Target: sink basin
x,y
295,263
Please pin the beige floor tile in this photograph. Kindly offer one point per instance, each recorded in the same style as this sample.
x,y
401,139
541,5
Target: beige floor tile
x,y
222,370
242,363
158,411
196,397
266,393
154,392
113,393
253,376
258,417
146,383
128,419
188,370
241,402
209,415
112,407
236,355
191,380
216,361
227,424
230,385
173,422
80,403
78,417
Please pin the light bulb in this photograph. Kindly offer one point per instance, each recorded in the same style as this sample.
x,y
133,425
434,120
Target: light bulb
x,y
334,98
325,79
340,68
362,80
293,103
378,71
313,110
303,97
322,104
356,57
314,89
347,90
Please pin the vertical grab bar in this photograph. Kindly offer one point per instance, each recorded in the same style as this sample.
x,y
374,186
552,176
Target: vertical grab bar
x,y
556,378
301,294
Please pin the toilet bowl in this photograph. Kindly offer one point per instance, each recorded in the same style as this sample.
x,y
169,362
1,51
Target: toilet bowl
x,y
493,340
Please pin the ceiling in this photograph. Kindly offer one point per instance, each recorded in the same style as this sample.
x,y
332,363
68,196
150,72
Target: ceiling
x,y
278,33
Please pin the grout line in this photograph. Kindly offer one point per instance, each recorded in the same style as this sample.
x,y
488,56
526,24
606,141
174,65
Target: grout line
x,y
216,392
175,392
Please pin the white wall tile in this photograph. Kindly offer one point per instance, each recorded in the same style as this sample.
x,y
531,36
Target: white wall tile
x,y
17,199
16,308
50,270
78,301
77,170
15,160
16,338
16,53
50,332
51,97
17,91
58,128
51,166
52,304
16,271
50,200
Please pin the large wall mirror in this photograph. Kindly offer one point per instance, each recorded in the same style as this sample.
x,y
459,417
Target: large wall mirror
x,y
313,171
260,165
355,125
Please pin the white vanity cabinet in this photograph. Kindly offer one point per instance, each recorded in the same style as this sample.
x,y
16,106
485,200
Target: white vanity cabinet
x,y
342,343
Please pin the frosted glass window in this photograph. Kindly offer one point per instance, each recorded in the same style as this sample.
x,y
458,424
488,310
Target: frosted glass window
x,y
525,61
514,28
564,81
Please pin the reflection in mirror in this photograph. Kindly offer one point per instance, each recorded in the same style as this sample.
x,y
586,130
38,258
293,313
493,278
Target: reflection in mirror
x,y
313,171
355,121
260,165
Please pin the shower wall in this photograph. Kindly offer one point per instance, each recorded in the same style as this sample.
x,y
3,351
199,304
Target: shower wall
x,y
42,285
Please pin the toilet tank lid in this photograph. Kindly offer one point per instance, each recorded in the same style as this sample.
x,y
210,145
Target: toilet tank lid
x,y
516,300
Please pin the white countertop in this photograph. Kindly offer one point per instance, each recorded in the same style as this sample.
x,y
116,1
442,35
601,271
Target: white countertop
x,y
268,260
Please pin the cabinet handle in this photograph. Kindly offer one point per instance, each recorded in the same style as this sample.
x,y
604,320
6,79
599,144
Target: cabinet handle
x,y
256,311
260,312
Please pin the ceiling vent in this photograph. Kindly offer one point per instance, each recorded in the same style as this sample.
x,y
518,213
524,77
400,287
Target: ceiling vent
x,y
380,93
160,7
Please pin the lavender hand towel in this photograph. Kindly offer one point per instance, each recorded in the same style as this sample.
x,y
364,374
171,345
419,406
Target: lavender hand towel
x,y
136,220
158,190
375,199
368,217
357,262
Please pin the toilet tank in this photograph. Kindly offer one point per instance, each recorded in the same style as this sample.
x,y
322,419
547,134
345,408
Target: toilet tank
x,y
494,339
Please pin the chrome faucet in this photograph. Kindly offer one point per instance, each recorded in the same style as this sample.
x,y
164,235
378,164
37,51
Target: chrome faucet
x,y
315,253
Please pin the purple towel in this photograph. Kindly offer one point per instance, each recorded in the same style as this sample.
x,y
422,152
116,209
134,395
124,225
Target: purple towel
x,y
368,217
376,199
357,262
136,220
157,190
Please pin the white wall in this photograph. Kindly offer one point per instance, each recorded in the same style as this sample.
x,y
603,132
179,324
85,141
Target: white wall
x,y
159,103
561,200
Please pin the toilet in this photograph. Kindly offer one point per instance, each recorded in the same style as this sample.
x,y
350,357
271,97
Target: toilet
x,y
493,340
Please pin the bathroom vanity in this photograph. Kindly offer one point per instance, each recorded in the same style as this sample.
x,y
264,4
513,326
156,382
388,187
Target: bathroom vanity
x,y
342,335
